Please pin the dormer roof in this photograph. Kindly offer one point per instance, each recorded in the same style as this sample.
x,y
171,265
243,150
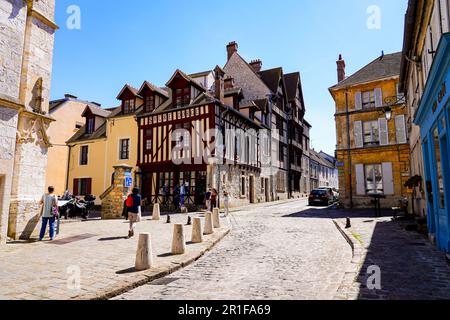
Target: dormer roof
x,y
130,89
153,88
179,73
95,110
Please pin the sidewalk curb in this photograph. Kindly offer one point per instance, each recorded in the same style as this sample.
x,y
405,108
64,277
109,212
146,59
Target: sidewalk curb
x,y
150,276
358,255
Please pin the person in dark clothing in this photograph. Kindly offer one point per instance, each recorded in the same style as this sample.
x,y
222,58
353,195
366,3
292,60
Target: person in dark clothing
x,y
134,211
214,195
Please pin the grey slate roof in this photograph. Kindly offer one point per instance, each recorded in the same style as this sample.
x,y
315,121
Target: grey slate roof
x,y
82,136
381,68
272,78
292,81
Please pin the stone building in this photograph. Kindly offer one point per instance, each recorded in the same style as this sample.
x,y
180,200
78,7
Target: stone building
x,y
27,36
282,95
372,141
306,160
425,79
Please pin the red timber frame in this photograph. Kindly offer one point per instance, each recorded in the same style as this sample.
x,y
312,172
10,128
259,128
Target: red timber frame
x,y
156,164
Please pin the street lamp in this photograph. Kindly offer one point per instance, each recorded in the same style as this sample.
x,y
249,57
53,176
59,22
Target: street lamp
x,y
388,112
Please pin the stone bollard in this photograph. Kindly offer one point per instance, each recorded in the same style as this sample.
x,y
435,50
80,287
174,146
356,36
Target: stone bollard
x,y
197,235
156,212
208,224
144,255
216,218
178,242
348,224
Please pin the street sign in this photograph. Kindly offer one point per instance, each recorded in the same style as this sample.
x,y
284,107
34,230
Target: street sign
x,y
128,180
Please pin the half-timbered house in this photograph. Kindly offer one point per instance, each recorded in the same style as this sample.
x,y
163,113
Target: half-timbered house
x,y
198,138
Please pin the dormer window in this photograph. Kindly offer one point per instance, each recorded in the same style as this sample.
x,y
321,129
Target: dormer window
x,y
149,103
90,125
129,106
182,97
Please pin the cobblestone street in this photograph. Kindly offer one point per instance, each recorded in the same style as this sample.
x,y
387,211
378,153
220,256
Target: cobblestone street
x,y
268,255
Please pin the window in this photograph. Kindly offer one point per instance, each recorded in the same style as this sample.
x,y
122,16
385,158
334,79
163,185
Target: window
x,y
182,97
148,144
82,187
439,169
149,103
243,193
148,140
371,133
84,155
90,125
281,153
124,149
129,106
374,178
368,99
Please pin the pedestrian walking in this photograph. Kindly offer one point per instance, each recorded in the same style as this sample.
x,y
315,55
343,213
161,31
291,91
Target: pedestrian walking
x,y
208,199
133,204
49,213
165,192
226,203
176,195
214,195
182,194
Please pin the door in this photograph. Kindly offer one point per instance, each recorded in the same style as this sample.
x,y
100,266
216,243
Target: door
x,y
267,186
2,194
437,182
252,189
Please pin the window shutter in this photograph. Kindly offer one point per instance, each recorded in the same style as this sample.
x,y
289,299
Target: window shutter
x,y
89,186
76,183
378,98
400,128
383,131
388,179
358,101
357,128
360,180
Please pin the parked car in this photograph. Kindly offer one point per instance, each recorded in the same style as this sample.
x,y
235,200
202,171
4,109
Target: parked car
x,y
332,191
320,196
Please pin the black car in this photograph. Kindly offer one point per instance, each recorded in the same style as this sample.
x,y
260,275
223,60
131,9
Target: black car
x,y
319,196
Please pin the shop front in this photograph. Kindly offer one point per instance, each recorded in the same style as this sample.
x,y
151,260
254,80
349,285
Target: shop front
x,y
433,118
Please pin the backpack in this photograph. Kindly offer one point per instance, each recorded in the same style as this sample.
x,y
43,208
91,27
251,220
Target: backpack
x,y
129,203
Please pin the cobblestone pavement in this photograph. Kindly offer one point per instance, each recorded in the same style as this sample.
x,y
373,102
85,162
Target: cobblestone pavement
x,y
411,267
267,255
101,255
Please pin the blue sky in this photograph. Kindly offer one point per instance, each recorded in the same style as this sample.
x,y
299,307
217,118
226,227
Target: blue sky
x,y
129,42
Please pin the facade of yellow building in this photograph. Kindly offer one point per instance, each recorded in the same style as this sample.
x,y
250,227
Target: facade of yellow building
x,y
107,139
68,120
372,141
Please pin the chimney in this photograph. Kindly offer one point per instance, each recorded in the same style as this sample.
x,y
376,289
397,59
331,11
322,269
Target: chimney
x,y
229,83
256,65
232,47
70,96
340,68
219,90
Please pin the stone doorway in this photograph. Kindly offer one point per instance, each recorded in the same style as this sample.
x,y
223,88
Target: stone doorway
x,y
3,212
252,189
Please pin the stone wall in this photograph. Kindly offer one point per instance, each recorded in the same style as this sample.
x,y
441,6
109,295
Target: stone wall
x,y
13,15
8,124
114,197
231,182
